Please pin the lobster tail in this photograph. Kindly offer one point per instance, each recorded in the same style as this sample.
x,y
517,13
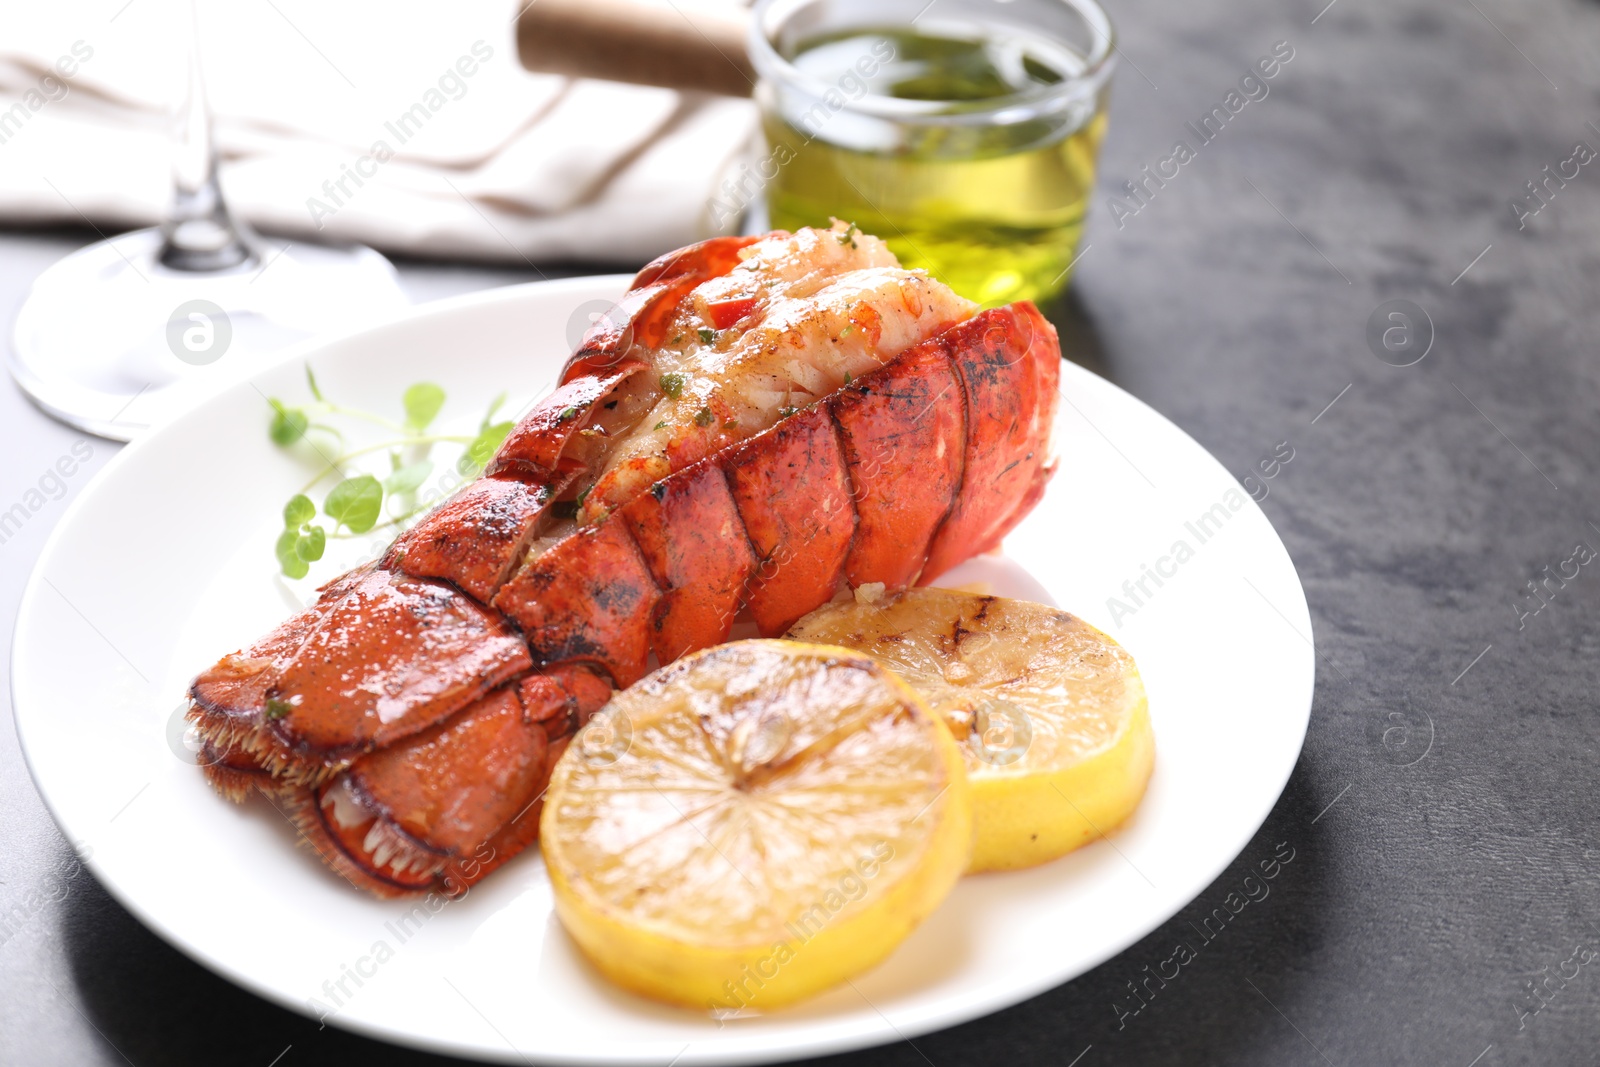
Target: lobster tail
x,y
409,719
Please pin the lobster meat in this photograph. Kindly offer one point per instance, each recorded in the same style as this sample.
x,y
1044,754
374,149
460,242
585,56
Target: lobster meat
x,y
759,424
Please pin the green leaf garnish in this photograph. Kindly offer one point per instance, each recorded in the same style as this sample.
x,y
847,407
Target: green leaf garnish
x,y
422,402
409,477
298,511
288,424
662,425
567,414
277,709
848,237
355,503
703,417
672,385
310,544
706,336
288,559
785,412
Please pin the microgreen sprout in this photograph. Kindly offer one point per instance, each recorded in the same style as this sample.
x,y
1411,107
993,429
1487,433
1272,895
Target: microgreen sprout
x,y
357,501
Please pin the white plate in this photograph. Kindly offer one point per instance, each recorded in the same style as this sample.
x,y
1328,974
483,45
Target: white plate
x,y
165,562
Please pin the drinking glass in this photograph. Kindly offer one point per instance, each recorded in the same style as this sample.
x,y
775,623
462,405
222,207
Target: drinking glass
x,y
963,132
122,334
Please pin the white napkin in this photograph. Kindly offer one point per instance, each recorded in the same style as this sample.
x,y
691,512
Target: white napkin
x,y
407,125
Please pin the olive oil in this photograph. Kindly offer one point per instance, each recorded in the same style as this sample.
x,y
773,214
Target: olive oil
x,y
987,197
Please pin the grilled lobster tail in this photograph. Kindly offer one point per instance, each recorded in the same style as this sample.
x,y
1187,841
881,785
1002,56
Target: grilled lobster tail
x,y
408,721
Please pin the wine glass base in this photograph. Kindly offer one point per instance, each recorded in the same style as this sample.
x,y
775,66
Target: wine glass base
x,y
112,342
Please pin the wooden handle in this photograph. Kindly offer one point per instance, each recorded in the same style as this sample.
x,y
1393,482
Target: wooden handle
x,y
671,45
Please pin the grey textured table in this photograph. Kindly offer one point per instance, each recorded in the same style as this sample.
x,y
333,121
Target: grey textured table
x,y
1442,817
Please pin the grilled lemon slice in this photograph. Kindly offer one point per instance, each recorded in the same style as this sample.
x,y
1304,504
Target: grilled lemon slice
x,y
1049,712
753,824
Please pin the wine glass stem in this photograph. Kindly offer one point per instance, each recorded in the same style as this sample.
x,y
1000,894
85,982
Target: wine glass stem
x,y
198,232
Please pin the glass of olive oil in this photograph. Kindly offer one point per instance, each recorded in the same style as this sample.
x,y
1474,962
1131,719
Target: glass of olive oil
x,y
963,132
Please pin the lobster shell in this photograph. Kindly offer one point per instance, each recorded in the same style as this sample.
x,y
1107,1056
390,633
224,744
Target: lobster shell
x,y
407,722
